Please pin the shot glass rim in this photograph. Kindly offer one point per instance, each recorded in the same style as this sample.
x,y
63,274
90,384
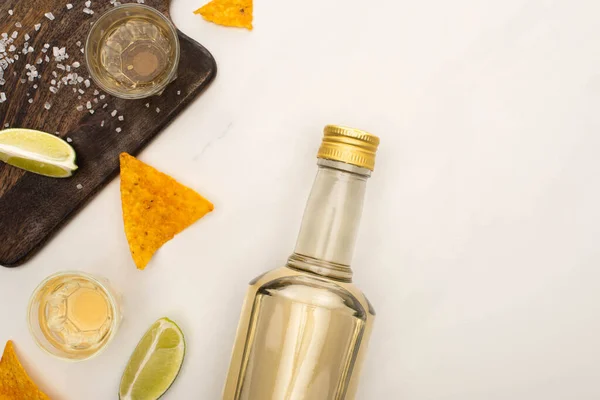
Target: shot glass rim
x,y
113,304
157,89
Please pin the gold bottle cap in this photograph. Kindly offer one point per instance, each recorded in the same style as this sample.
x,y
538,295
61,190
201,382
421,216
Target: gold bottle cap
x,y
349,145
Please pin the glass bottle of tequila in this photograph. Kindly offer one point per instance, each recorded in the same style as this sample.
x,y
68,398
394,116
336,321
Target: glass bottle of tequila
x,y
304,327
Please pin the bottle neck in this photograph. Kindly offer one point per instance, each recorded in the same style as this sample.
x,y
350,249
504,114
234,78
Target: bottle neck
x,y
330,225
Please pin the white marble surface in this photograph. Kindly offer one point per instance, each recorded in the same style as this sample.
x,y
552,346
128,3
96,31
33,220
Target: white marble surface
x,y
479,244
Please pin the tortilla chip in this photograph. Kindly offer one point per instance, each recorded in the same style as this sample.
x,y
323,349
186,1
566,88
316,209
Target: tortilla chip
x,y
155,208
15,384
237,13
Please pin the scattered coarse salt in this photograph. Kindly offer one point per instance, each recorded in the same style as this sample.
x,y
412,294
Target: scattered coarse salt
x,y
81,91
91,111
88,105
102,123
79,79
30,101
2,97
79,186
88,11
14,35
47,59
35,86
113,113
46,46
6,125
69,6
95,100
37,27
80,108
10,12
47,106
39,61
105,105
30,49
179,93
87,83
18,25
147,105
121,118
53,89
54,74
12,48
102,97
75,64
83,51
78,43
27,37
69,140
78,97
157,109
96,92
53,82
88,3
23,80
140,1
50,16
118,130
60,66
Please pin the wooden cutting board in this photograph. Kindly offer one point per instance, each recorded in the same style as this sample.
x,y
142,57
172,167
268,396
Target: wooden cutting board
x,y
33,207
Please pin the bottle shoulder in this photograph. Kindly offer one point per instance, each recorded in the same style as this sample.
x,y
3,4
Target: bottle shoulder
x,y
307,288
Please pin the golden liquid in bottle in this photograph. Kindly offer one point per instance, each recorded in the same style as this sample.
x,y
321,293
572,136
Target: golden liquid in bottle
x,y
304,339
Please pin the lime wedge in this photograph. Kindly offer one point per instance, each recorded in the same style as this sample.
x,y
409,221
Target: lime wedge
x,y
155,362
38,152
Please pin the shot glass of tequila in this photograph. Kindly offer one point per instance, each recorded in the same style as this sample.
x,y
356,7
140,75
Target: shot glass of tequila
x,y
74,315
132,51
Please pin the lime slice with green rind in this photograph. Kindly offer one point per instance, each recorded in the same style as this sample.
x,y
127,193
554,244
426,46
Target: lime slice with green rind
x,y
38,152
155,362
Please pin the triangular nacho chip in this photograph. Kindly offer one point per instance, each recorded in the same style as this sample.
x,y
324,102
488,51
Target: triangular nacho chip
x,y
155,208
15,384
237,13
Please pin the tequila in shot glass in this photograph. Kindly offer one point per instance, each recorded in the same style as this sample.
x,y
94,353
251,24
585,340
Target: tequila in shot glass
x,y
74,315
132,51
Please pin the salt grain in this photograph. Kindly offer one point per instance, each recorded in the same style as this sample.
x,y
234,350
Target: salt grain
x,y
80,108
76,64
81,91
18,25
79,186
91,111
113,113
102,97
78,43
96,92
2,97
157,109
69,140
47,106
53,82
118,130
88,11
102,123
10,12
87,83
6,125
88,105
179,93
53,89
69,6
105,105
37,27
147,105
121,118
88,3
27,37
14,35
30,101
50,16
35,86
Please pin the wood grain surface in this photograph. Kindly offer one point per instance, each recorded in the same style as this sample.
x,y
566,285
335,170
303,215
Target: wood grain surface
x,y
33,207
